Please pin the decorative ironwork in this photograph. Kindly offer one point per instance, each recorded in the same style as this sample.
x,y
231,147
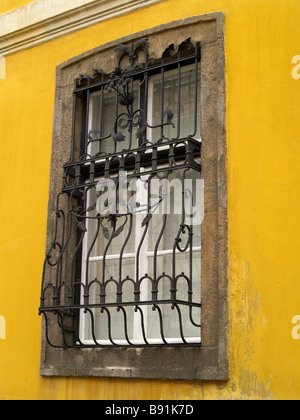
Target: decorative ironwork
x,y
80,304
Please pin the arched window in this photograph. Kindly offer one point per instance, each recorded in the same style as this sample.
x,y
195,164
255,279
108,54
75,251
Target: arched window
x,y
136,256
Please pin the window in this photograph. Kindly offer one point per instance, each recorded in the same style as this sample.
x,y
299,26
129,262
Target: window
x,y
139,285
129,264
133,261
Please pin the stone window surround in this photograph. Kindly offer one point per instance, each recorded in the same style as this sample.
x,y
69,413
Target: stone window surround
x,y
210,361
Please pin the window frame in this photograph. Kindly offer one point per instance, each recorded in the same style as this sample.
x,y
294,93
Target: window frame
x,y
210,362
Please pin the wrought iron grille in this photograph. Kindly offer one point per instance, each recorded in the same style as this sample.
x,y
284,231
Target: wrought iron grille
x,y
129,277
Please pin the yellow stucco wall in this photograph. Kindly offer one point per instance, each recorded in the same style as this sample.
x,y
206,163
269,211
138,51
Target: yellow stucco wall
x,y
263,128
7,5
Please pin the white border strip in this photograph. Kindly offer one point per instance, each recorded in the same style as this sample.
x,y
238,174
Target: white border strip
x,y
44,20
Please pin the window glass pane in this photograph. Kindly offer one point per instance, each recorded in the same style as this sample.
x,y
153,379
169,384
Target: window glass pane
x,y
110,325
171,319
124,228
109,270
166,224
104,110
180,98
164,269
175,320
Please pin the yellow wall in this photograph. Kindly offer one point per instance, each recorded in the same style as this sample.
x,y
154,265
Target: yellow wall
x,y
7,5
263,123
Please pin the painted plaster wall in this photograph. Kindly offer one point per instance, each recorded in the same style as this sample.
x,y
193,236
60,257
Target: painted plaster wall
x,y
7,5
263,125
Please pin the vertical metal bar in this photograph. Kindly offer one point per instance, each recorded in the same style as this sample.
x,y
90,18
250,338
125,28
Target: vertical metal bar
x,y
157,308
92,325
190,283
137,308
125,324
180,323
106,249
87,121
143,236
73,127
101,116
130,112
124,245
89,252
162,106
117,113
109,325
141,249
179,101
196,98
144,85
155,290
64,244
76,256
